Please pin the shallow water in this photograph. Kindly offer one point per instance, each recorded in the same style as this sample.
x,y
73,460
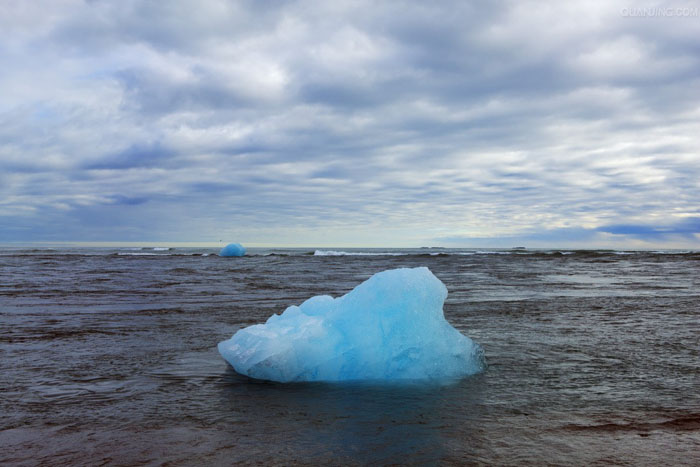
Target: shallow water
x,y
109,356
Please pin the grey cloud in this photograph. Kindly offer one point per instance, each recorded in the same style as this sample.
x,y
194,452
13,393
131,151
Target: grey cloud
x,y
183,25
482,121
136,155
564,237
687,227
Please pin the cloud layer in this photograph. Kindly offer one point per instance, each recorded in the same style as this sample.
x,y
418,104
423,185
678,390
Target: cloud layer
x,y
343,123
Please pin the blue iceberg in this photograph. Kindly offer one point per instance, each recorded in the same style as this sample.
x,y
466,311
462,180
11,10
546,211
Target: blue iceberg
x,y
232,249
390,327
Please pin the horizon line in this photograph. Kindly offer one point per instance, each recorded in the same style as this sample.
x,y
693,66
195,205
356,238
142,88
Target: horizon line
x,y
169,244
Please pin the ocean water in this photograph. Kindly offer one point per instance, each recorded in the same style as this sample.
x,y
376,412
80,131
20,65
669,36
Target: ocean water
x,y
108,356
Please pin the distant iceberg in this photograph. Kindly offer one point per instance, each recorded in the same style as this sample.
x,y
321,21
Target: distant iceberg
x,y
390,327
232,249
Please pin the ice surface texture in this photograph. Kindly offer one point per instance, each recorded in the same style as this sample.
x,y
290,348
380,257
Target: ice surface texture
x,y
232,249
390,327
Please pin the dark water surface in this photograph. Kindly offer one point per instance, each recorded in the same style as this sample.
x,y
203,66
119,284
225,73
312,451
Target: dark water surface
x,y
109,357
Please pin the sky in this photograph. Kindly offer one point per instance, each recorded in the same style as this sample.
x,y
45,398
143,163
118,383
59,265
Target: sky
x,y
339,123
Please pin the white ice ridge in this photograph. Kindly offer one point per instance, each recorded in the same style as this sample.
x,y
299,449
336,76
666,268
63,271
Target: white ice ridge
x,y
390,327
232,249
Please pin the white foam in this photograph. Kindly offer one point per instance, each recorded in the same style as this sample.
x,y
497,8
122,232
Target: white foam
x,y
138,254
355,253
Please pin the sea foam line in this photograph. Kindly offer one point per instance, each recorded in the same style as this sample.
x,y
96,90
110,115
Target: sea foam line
x,y
355,253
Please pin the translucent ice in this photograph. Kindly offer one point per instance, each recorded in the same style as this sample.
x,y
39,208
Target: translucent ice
x,y
390,327
232,249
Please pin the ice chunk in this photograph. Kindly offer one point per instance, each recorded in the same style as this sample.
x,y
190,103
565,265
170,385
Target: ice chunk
x,y
232,249
390,327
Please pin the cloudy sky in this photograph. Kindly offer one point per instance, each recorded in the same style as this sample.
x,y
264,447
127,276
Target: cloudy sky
x,y
350,123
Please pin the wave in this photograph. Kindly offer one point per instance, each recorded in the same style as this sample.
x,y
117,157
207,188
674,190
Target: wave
x,y
543,253
160,254
690,422
451,253
356,253
417,253
491,252
138,254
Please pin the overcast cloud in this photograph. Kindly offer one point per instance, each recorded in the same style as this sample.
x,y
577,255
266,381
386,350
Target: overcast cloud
x,y
350,123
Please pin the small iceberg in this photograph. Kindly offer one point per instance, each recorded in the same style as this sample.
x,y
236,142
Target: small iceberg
x,y
232,249
390,327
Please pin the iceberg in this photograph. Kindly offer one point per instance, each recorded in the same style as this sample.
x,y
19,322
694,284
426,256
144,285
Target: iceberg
x,y
390,327
232,249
